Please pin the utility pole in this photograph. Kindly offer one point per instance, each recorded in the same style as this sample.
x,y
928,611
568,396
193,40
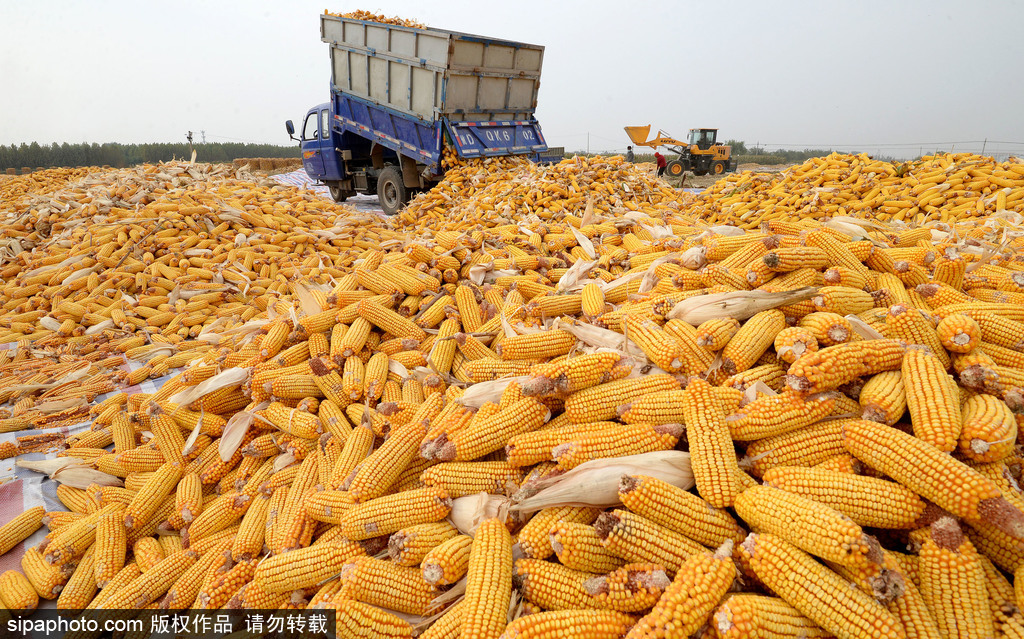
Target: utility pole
x,y
588,142
203,133
189,138
983,144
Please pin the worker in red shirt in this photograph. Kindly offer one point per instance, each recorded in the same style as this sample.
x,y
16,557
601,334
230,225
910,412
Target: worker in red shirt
x,y
660,160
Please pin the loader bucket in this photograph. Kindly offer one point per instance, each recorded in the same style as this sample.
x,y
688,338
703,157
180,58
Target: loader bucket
x,y
638,134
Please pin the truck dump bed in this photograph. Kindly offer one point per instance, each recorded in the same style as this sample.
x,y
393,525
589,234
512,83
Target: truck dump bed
x,y
483,89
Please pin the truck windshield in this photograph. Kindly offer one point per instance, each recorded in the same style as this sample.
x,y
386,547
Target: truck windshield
x,y
311,128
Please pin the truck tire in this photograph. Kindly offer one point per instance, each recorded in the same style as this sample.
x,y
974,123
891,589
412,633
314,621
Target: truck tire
x,y
718,167
337,194
391,190
674,168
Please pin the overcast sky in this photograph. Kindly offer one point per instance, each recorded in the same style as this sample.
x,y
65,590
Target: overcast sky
x,y
874,74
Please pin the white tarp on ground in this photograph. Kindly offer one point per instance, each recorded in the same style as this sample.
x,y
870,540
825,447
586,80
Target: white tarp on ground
x,y
301,180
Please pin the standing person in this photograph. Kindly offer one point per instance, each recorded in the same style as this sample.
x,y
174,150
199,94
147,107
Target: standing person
x,y
660,160
629,154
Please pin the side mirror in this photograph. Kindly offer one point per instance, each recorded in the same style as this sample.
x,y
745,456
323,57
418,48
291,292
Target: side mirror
x,y
290,128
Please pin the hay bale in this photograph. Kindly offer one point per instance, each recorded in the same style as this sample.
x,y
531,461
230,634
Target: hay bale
x,y
238,163
266,164
25,170
12,171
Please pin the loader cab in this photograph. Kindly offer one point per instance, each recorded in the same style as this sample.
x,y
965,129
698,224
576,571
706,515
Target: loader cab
x,y
703,139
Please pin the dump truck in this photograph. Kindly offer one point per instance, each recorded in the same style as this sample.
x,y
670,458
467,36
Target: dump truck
x,y
700,153
403,97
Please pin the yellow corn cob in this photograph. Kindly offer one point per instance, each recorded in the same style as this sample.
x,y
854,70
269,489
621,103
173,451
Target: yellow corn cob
x,y
791,343
828,329
378,472
808,524
533,346
391,513
358,619
17,593
75,499
678,510
772,415
755,337
409,546
601,402
489,582
483,436
304,567
868,501
578,546
381,583
447,562
989,429
592,304
48,580
148,587
663,407
678,610
535,536
375,376
884,398
699,358
959,333
842,300
715,334
953,582
20,528
71,541
593,624
834,366
932,474
817,592
806,446
249,541
749,615
148,553
80,590
664,350
217,591
635,538
574,374
712,455
388,320
933,407
182,594
460,479
552,586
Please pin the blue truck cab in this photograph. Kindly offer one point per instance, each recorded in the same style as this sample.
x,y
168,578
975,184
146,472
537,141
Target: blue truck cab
x,y
401,96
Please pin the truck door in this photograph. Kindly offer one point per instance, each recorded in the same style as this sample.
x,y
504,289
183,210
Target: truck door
x,y
312,158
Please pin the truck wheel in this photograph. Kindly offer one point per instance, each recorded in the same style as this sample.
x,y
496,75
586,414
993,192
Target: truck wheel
x,y
675,168
718,167
391,190
337,194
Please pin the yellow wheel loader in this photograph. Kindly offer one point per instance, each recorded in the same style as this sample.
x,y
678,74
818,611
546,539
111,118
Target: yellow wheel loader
x,y
701,155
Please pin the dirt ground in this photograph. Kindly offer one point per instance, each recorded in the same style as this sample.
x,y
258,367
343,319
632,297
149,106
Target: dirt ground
x,y
691,181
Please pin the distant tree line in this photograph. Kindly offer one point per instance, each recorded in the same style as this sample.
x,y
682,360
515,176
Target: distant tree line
x,y
759,155
120,155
